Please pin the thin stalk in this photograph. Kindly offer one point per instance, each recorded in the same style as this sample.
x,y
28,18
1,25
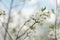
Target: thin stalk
x,y
7,24
56,21
25,32
21,28
7,32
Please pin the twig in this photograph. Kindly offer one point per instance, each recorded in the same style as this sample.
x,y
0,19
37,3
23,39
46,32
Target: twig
x,y
56,22
7,24
7,32
22,27
22,34
25,31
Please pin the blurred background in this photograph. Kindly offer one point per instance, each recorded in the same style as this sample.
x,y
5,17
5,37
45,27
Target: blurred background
x,y
29,19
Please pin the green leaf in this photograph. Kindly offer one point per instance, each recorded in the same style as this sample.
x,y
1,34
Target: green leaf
x,y
14,30
0,14
32,28
40,15
44,18
43,9
51,26
33,18
52,10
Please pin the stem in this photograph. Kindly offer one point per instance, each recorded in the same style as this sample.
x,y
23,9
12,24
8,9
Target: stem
x,y
56,21
24,32
21,28
7,32
7,24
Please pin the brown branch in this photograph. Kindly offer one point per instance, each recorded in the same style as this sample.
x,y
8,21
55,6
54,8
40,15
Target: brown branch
x,y
21,28
25,32
7,32
25,37
23,25
7,24
22,34
56,21
19,23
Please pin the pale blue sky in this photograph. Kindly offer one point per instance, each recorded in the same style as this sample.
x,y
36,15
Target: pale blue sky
x,y
29,6
48,3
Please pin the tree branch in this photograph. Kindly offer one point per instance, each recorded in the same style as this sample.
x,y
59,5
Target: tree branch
x,y
25,31
7,32
7,24
22,34
56,21
21,28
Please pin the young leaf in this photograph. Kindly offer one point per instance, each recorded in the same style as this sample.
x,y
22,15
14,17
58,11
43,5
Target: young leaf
x,y
52,10
14,30
43,9
0,13
51,26
32,28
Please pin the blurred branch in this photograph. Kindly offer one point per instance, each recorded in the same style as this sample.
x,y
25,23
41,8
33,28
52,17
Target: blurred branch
x,y
25,32
56,21
7,32
23,25
21,28
27,29
22,34
7,24
25,37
